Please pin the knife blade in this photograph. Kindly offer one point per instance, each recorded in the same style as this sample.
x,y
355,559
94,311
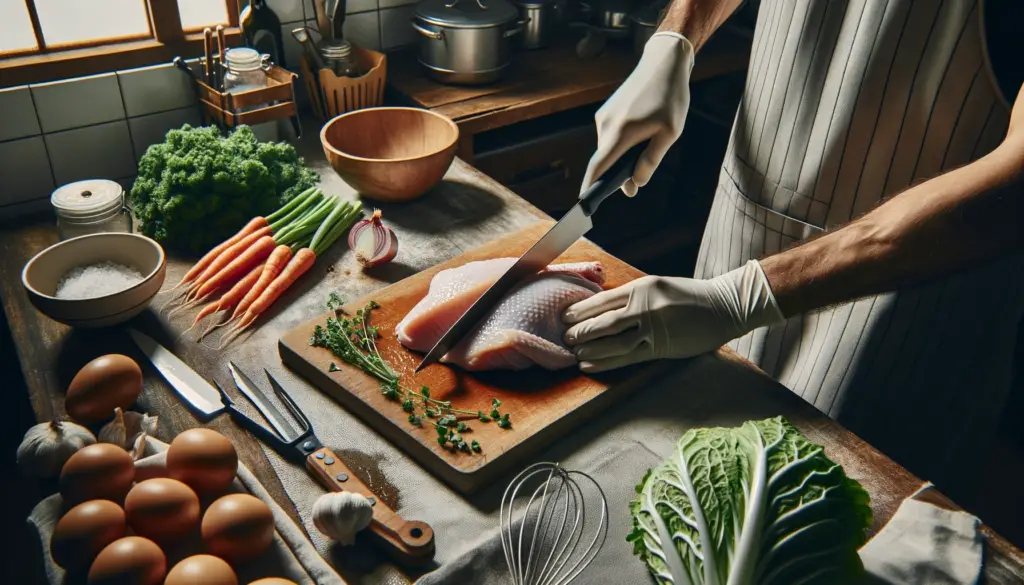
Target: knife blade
x,y
265,405
573,226
199,393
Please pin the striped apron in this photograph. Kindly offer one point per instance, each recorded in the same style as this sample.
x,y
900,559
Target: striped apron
x,y
848,102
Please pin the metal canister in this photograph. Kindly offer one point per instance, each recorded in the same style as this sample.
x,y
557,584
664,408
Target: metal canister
x,y
90,207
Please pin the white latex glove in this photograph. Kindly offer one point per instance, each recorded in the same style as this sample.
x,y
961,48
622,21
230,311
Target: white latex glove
x,y
651,104
657,317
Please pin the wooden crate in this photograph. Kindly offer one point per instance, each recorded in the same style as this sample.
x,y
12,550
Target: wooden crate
x,y
252,107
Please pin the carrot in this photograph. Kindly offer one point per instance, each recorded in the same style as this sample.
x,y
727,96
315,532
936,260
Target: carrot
x,y
226,258
253,225
229,298
251,256
275,264
299,264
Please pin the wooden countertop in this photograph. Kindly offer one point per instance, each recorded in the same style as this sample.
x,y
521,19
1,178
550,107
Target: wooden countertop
x,y
546,81
466,210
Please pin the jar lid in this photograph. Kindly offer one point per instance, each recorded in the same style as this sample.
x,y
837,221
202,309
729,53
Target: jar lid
x,y
242,58
467,13
336,49
89,197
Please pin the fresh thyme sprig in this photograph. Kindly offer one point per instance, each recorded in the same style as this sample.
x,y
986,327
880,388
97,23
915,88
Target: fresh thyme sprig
x,y
353,340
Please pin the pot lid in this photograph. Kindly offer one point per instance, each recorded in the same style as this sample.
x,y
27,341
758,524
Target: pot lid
x,y
649,14
87,197
467,13
530,3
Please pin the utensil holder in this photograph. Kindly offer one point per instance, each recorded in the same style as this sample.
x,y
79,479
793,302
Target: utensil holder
x,y
345,94
252,107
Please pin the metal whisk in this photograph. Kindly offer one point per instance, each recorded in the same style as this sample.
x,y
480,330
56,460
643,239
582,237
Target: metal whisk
x,y
558,533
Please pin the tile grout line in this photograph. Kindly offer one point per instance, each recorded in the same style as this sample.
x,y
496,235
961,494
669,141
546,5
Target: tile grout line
x,y
156,113
128,126
42,136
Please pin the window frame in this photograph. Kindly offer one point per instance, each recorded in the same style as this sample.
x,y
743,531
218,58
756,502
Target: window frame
x,y
166,39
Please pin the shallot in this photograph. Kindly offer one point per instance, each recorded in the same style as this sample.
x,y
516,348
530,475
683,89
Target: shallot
x,y
373,242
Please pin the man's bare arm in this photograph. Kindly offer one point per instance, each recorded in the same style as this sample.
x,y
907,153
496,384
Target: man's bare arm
x,y
697,20
944,225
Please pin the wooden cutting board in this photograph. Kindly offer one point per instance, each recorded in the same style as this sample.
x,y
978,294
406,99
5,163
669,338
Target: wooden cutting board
x,y
543,405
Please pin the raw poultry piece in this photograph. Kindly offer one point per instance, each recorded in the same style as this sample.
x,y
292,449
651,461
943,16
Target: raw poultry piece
x,y
525,328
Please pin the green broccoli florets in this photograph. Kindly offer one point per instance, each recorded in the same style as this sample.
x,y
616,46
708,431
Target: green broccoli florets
x,y
197,187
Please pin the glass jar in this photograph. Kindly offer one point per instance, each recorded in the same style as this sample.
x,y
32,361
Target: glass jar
x,y
245,70
339,57
90,207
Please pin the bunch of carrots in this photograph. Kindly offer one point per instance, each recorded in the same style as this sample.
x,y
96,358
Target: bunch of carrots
x,y
253,268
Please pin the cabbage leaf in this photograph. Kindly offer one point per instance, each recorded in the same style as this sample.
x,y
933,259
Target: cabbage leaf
x,y
756,504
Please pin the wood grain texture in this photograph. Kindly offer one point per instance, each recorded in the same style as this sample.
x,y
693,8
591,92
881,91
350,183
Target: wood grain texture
x,y
546,81
390,154
544,406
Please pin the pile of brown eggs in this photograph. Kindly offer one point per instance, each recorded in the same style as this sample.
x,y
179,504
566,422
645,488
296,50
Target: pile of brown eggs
x,y
120,527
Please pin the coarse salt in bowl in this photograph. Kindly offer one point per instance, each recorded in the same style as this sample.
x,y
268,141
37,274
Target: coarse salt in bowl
x,y
43,274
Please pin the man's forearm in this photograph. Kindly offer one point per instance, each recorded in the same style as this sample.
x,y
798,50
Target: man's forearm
x,y
944,225
697,20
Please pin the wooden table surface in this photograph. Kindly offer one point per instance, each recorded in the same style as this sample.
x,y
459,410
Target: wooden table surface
x,y
466,210
543,82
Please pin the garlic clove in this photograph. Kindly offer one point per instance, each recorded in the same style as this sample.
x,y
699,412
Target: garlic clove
x,y
126,428
340,515
47,446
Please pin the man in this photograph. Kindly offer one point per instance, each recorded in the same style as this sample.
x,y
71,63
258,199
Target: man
x,y
898,319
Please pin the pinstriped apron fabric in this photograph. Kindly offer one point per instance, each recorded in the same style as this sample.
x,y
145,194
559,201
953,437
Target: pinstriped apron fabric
x,y
848,102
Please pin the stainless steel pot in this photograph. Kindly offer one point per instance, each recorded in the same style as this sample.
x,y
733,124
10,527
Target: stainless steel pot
x,y
645,23
466,42
542,18
610,17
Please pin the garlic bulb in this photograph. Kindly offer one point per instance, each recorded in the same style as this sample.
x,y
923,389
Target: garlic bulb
x,y
340,515
47,446
126,427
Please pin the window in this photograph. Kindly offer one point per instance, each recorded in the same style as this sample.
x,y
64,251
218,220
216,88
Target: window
x,y
42,40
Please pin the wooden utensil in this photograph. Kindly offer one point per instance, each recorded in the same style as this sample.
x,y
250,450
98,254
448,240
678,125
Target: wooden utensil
x,y
222,48
208,56
409,541
323,23
544,406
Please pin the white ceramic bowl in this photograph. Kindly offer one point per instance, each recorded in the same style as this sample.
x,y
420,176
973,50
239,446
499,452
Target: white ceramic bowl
x,y
43,272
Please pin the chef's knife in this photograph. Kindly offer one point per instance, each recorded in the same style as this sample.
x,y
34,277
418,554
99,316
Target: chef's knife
x,y
573,226
185,381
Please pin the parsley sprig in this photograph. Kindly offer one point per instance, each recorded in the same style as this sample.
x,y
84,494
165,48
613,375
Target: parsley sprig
x,y
353,340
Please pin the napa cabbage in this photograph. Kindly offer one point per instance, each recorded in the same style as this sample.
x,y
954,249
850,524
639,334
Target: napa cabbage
x,y
757,504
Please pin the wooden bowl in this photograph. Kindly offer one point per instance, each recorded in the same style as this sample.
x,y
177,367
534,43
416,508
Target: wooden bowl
x,y
43,272
390,154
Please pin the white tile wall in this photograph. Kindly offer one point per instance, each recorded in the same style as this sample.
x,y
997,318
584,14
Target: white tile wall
x,y
19,113
355,6
363,29
24,170
288,10
394,3
101,151
160,88
152,129
78,102
395,27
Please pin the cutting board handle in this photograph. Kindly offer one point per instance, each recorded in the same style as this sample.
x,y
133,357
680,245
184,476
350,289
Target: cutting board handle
x,y
409,541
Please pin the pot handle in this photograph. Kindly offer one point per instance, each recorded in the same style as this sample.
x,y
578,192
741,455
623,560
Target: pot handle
x,y
433,34
518,29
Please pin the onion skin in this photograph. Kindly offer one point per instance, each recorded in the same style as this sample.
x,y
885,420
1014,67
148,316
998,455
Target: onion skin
x,y
373,242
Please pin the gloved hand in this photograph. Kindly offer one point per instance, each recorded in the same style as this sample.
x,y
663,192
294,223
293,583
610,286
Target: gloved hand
x,y
657,317
651,104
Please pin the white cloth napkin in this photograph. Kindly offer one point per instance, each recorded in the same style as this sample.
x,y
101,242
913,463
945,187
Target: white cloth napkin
x,y
925,545
291,555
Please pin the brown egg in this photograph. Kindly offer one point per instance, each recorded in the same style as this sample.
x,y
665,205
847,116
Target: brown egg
x,y
273,581
204,459
201,570
84,531
98,472
101,385
132,560
238,527
163,510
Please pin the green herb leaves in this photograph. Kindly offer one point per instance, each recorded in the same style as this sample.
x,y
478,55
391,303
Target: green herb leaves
x,y
354,341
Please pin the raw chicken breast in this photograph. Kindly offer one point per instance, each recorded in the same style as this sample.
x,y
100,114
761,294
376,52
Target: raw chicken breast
x,y
525,328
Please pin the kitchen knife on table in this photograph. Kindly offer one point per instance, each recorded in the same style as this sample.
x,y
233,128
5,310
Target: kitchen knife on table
x,y
192,387
573,226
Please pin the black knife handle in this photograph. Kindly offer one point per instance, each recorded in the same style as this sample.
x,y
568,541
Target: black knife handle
x,y
612,179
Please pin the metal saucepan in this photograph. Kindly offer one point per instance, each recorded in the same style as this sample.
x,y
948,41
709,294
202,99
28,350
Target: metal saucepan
x,y
610,17
645,23
466,42
543,18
